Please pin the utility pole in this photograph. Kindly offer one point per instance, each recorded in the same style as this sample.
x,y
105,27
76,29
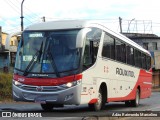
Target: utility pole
x,y
43,19
22,15
120,24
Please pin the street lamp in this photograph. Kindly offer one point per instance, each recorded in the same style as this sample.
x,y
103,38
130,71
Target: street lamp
x,y
22,15
129,24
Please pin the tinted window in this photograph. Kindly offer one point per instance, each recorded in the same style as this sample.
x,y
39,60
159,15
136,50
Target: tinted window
x,y
144,66
91,47
48,52
148,62
120,51
138,61
87,61
123,53
130,55
108,47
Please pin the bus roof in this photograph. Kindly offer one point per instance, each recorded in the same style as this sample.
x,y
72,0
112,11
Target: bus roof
x,y
78,24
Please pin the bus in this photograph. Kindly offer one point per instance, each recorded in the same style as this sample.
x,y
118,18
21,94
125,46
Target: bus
x,y
74,62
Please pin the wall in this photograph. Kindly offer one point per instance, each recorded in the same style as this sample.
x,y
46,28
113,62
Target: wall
x,y
4,59
0,34
13,42
4,36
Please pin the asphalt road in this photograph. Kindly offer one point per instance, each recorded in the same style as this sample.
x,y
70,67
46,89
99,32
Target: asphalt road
x,y
82,112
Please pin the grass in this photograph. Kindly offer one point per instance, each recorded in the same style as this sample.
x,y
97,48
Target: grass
x,y
5,86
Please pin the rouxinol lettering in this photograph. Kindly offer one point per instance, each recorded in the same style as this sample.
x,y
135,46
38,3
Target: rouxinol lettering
x,y
124,72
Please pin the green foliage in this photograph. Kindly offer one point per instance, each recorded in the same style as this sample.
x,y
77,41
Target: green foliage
x,y
5,86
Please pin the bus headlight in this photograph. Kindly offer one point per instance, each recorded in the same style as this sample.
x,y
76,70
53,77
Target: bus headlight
x,y
71,84
16,83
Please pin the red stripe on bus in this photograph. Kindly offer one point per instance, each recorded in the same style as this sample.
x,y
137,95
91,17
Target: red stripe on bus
x,y
145,89
93,101
46,81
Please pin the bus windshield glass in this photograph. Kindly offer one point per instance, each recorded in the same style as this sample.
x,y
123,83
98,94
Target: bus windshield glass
x,y
48,52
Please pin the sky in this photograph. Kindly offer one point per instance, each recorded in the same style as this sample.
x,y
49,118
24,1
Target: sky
x,y
137,15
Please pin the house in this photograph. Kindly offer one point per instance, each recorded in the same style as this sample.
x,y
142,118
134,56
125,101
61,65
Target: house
x,y
4,54
7,56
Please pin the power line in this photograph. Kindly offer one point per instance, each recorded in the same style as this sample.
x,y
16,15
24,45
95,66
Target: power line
x,y
36,15
15,8
19,11
15,27
12,6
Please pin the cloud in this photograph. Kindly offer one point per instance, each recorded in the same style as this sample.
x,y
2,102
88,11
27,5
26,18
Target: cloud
x,y
34,10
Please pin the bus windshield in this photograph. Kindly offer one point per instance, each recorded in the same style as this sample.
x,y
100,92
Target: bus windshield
x,y
48,52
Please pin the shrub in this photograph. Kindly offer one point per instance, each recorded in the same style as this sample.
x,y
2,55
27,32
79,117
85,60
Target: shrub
x,y
5,86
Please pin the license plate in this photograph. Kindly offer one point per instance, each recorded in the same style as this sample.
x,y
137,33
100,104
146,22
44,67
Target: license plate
x,y
40,101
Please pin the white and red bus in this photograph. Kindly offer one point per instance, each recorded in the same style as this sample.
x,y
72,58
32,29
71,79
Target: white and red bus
x,y
75,62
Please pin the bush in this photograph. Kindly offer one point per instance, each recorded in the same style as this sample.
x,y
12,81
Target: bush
x,y
5,86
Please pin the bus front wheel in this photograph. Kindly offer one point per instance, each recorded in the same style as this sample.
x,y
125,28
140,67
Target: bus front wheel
x,y
99,104
47,106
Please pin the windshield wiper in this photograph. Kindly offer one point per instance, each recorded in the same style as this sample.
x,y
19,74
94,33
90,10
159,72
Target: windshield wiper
x,y
36,57
52,59
53,64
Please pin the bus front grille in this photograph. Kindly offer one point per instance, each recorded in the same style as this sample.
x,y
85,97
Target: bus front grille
x,y
42,88
32,96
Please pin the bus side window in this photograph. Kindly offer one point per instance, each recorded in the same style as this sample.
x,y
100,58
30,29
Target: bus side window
x,y
120,51
148,62
144,66
123,52
87,61
130,55
95,49
108,47
90,53
91,47
138,59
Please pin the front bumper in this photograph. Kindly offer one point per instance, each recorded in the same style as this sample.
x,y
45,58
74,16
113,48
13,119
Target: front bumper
x,y
67,96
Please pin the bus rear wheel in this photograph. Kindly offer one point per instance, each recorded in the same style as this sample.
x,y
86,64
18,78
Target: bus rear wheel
x,y
136,101
99,104
128,103
47,106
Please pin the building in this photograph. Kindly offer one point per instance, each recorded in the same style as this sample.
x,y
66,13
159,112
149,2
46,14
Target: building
x,y
150,42
7,56
4,54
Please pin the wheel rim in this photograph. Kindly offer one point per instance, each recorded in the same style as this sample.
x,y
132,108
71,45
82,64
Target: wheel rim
x,y
99,101
137,98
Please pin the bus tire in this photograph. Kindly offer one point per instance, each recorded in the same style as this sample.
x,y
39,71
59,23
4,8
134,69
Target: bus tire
x,y
100,104
136,101
128,103
47,106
